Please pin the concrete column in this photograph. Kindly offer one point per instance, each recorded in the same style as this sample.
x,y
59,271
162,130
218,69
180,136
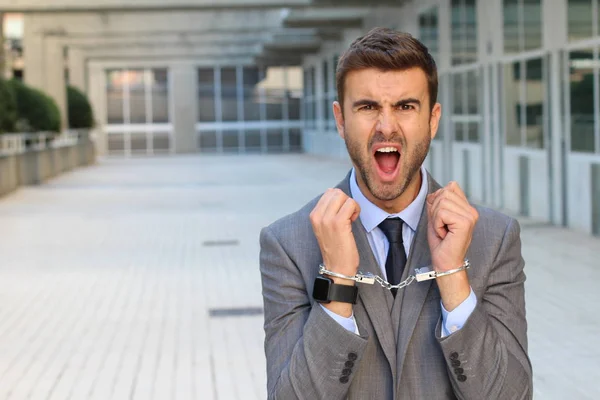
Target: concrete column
x,y
33,53
97,95
184,98
44,65
555,38
54,82
3,52
77,69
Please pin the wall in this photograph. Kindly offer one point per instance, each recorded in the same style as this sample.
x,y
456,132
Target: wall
x,y
34,167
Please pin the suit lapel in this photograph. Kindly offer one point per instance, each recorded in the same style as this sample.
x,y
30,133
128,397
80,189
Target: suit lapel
x,y
414,295
376,300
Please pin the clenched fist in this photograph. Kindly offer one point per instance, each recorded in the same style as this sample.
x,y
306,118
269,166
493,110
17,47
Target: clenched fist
x,y
451,223
449,232
331,220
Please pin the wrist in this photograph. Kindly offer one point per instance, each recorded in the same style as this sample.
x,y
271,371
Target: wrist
x,y
339,308
454,289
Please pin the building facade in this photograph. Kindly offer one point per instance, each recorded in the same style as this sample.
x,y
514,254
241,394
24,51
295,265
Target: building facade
x,y
519,84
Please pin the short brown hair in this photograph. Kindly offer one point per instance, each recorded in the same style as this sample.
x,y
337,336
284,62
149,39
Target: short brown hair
x,y
387,50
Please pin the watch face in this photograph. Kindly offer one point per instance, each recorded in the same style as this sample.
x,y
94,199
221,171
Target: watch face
x,y
321,289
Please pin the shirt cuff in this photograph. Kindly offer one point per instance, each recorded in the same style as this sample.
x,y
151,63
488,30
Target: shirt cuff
x,y
348,323
453,320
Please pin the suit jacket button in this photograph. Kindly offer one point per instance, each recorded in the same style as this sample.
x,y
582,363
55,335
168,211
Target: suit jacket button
x,y
455,363
454,356
458,371
349,364
344,379
461,378
346,371
352,356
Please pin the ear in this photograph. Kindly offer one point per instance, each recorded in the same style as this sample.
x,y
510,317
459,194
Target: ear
x,y
434,119
339,118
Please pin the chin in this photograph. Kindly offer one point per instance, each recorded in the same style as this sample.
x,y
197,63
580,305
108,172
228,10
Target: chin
x,y
386,191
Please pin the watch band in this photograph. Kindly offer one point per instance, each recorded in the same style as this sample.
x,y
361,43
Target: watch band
x,y
343,293
325,291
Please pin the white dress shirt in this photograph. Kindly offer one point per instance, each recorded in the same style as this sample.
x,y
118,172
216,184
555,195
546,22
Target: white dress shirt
x,y
371,216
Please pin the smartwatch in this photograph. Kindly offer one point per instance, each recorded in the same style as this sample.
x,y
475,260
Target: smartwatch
x,y
325,291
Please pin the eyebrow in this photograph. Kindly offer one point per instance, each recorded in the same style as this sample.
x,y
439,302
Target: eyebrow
x,y
367,102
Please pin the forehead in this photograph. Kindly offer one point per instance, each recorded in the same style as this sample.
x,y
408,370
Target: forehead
x,y
373,83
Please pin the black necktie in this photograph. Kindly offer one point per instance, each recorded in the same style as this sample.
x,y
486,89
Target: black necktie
x,y
396,257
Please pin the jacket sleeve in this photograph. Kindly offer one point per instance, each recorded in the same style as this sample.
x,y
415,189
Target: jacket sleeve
x,y
487,358
309,355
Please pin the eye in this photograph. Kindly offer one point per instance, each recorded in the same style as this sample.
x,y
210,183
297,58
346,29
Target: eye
x,y
406,107
367,107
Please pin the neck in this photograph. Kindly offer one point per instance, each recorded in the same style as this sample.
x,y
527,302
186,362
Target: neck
x,y
399,203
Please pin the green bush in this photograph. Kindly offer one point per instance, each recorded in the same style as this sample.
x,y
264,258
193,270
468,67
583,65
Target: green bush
x,y
36,111
79,109
8,107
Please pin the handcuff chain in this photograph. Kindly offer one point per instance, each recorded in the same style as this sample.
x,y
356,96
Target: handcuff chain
x,y
422,274
385,284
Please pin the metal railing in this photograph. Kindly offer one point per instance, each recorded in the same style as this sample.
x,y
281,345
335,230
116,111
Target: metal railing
x,y
18,143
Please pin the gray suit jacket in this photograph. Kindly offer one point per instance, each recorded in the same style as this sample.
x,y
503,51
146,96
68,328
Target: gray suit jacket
x,y
399,353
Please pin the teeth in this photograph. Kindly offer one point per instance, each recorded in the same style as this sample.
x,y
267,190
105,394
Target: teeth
x,y
387,149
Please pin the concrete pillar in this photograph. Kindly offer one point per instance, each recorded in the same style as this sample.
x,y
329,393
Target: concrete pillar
x,y
555,38
33,53
97,96
44,65
77,69
183,97
54,82
3,52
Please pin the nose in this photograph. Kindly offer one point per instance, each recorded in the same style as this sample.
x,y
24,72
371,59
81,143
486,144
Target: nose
x,y
386,123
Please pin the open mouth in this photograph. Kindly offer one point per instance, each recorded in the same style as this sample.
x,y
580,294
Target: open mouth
x,y
387,160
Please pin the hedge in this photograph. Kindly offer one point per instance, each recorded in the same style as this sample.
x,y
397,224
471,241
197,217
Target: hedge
x,y
8,107
79,109
36,111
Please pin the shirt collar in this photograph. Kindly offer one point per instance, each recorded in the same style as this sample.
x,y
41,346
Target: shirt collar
x,y
371,215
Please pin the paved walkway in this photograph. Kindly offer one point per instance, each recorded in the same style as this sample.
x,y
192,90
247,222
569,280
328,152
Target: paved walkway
x,y
138,279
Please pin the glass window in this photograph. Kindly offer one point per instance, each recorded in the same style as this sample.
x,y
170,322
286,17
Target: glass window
x,y
522,25
580,19
325,92
114,97
428,30
525,96
470,32
472,84
457,94
581,66
532,24
463,31
535,96
206,95
230,140
511,26
312,102
137,96
512,119
458,131
160,95
295,86
251,94
229,109
275,91
456,32
336,59
465,93
472,132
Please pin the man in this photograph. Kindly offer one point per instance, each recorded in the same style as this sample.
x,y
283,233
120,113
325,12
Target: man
x,y
461,335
